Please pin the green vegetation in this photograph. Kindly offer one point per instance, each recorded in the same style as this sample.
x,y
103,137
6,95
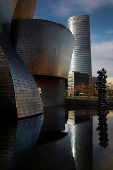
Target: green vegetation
x,y
87,98
83,98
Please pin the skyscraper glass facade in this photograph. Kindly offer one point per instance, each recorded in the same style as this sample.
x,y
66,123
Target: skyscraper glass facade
x,y
81,57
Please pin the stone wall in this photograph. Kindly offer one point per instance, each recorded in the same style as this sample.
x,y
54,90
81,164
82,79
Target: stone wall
x,y
52,90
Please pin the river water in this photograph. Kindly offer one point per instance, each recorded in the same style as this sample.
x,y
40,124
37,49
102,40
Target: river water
x,y
65,139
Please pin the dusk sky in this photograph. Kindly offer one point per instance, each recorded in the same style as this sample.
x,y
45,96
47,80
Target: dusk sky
x,y
101,25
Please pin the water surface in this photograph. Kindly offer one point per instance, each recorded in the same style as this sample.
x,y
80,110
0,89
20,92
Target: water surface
x,y
69,139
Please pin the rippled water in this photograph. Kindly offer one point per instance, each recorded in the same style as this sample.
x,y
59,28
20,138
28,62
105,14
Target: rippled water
x,y
69,139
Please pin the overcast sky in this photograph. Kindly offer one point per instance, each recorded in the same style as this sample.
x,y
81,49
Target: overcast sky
x,y
101,25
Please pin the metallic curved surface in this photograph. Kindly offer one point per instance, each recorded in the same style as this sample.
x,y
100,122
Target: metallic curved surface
x,y
44,46
81,57
6,12
18,90
24,9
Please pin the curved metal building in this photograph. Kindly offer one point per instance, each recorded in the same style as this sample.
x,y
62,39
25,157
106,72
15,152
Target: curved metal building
x,y
46,48
19,96
81,57
24,9
6,13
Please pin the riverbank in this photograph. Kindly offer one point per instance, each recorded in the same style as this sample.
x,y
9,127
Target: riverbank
x,y
85,103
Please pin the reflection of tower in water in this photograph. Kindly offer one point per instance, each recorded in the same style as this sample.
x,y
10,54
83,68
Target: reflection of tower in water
x,y
80,133
103,128
53,149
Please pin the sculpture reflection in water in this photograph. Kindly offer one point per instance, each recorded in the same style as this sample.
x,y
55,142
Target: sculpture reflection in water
x,y
103,128
17,142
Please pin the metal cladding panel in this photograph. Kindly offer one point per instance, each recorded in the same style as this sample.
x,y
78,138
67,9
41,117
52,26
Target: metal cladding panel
x,y
18,90
44,46
81,57
7,95
6,12
15,9
24,9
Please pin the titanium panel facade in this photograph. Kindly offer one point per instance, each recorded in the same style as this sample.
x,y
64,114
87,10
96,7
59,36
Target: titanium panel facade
x,y
6,12
18,91
44,46
24,9
81,57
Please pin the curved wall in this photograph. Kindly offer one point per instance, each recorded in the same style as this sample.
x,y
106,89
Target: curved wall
x,y
15,9
19,95
44,46
18,90
24,9
6,12
52,90
81,57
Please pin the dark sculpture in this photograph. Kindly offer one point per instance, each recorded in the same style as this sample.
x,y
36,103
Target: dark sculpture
x,y
101,103
101,86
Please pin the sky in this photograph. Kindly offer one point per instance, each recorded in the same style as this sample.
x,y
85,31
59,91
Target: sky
x,y
101,25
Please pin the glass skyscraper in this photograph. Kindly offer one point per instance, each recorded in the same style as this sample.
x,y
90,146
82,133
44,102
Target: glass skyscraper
x,y
81,57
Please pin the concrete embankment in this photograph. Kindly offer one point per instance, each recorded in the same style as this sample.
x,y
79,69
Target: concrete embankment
x,y
81,102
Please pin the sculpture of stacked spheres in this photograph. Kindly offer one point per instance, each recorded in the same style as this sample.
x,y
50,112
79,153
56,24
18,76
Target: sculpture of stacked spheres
x,y
46,56
101,86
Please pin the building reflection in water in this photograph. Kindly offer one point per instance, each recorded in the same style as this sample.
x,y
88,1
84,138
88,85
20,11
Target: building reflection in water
x,y
53,150
103,128
80,129
20,147
17,142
